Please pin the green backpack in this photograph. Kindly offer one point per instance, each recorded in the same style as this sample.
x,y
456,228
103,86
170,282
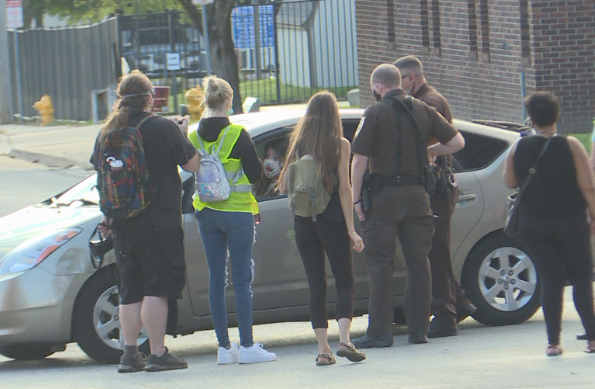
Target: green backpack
x,y
305,187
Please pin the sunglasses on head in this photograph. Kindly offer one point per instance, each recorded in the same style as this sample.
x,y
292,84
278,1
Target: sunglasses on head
x,y
149,92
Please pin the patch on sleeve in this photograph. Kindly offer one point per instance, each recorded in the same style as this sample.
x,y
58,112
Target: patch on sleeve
x,y
359,126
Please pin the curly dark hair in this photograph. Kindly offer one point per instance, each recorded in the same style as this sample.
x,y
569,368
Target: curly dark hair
x,y
543,108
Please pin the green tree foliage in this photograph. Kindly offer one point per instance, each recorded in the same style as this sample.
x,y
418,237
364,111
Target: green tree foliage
x,y
222,50
92,11
33,10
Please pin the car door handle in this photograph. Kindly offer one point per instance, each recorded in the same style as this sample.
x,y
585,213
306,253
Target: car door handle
x,y
466,199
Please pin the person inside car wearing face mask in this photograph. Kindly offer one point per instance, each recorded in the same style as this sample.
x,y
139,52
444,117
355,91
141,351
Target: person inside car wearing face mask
x,y
272,164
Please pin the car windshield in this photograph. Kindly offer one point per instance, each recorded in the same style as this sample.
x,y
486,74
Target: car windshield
x,y
83,193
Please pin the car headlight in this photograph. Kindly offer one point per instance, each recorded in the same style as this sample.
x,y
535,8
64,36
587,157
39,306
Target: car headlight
x,y
32,252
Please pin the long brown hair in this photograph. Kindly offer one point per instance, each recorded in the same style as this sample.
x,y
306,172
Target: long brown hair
x,y
318,133
133,93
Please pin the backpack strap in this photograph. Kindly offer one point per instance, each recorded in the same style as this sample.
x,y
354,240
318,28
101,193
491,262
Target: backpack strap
x,y
146,118
407,107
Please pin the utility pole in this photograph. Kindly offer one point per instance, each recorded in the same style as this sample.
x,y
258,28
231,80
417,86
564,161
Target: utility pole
x,y
6,111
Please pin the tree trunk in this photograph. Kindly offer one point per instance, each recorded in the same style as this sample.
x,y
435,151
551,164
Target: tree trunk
x,y
222,49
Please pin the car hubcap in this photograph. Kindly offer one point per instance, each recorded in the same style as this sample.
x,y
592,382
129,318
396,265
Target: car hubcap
x,y
106,320
507,279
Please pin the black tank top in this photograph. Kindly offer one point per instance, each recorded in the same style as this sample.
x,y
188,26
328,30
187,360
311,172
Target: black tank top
x,y
553,191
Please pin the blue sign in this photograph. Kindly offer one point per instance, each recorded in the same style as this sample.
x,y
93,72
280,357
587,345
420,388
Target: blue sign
x,y
243,26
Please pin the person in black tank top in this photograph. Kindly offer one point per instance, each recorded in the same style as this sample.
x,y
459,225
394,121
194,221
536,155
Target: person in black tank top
x,y
556,215
319,134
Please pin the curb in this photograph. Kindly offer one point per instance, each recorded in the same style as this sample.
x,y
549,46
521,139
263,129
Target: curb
x,y
48,160
5,145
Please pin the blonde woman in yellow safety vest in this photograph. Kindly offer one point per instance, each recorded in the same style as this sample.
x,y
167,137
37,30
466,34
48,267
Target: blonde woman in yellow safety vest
x,y
228,225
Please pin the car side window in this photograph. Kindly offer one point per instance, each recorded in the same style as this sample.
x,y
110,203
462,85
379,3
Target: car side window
x,y
478,153
271,150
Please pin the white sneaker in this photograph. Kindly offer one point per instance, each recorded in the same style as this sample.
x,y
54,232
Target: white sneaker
x,y
255,354
228,356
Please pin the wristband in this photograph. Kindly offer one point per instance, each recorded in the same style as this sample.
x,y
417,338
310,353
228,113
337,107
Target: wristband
x,y
358,201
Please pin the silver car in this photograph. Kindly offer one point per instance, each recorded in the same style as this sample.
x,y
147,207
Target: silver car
x,y
50,295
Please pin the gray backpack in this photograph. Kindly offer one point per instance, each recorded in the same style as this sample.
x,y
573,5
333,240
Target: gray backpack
x,y
211,180
305,187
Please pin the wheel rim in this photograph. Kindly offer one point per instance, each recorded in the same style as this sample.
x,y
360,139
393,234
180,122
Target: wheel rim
x,y
106,320
507,279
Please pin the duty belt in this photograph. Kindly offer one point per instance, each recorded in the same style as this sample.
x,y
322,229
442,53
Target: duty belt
x,y
402,179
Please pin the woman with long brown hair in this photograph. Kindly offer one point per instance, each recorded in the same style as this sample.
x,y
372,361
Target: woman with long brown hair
x,y
319,135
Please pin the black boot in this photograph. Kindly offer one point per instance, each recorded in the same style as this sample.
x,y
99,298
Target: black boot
x,y
371,341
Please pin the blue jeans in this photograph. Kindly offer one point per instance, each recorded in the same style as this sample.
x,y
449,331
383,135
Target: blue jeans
x,y
220,232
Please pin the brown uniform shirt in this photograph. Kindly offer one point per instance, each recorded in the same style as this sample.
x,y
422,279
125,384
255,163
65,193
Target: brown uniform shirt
x,y
376,136
433,98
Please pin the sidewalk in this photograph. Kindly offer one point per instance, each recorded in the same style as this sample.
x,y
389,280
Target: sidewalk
x,y
52,146
62,146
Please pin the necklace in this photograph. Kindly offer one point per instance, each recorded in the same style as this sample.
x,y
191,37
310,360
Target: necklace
x,y
547,134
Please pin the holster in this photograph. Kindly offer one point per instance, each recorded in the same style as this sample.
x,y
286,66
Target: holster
x,y
439,179
366,192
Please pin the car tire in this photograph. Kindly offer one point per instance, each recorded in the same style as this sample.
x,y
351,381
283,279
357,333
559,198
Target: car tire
x,y
27,352
502,281
96,323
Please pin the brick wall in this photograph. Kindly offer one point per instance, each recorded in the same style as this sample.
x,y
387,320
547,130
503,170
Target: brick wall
x,y
563,43
479,68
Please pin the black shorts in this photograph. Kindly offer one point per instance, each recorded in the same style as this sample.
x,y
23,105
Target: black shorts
x,y
150,262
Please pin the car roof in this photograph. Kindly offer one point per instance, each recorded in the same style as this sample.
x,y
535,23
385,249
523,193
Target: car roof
x,y
258,123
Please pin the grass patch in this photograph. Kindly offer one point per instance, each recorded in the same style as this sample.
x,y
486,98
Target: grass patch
x,y
585,139
266,90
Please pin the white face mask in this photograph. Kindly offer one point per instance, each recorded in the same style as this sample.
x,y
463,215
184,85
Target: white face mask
x,y
272,167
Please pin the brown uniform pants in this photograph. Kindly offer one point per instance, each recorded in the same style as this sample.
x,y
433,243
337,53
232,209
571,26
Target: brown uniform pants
x,y
444,289
403,212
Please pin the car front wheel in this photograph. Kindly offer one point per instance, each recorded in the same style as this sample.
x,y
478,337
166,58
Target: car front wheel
x,y
502,281
96,320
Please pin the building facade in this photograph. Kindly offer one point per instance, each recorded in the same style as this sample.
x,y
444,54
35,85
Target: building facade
x,y
485,55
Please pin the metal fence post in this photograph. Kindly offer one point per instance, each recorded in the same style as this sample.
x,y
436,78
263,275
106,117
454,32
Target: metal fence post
x,y
6,112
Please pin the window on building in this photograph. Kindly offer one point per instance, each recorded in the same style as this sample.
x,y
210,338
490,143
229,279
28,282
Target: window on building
x,y
436,39
472,12
484,23
425,26
525,33
390,28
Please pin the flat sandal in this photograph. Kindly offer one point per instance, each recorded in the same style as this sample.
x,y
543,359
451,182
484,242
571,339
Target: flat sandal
x,y
325,360
350,352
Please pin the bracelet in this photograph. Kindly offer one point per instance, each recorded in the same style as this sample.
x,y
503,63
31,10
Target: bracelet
x,y
358,201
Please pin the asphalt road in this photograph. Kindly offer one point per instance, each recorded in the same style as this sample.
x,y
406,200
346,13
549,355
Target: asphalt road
x,y
480,357
23,183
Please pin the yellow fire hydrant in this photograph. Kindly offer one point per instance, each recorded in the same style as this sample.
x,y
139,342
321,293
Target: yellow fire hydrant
x,y
45,108
195,97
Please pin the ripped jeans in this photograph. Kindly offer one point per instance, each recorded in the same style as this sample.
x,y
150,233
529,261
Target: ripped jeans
x,y
233,233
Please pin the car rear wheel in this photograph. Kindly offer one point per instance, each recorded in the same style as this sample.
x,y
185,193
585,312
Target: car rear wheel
x,y
27,352
502,281
96,321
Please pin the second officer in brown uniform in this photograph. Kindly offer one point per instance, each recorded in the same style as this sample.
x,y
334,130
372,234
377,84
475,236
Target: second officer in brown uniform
x,y
449,304
392,140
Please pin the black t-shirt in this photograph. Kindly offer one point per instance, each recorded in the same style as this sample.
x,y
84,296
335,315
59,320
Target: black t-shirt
x,y
165,148
553,192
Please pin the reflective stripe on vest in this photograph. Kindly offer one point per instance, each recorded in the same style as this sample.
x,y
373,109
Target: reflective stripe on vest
x,y
241,198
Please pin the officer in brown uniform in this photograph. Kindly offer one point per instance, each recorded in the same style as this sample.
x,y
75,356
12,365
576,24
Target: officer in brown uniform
x,y
449,304
392,139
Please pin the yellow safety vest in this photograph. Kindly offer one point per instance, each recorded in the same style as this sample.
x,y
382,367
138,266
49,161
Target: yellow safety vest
x,y
241,198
